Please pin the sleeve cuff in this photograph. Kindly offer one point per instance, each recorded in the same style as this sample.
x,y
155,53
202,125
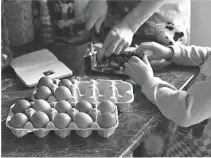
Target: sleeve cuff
x,y
177,52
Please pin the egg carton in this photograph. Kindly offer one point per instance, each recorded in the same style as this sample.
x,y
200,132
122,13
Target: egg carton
x,y
62,133
95,91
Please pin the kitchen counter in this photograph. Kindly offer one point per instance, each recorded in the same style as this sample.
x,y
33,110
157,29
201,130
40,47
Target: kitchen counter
x,y
134,125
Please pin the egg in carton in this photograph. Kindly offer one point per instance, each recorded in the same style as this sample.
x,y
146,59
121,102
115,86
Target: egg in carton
x,y
94,91
63,130
46,88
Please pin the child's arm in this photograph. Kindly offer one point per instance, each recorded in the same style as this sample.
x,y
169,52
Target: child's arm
x,y
185,108
182,55
190,55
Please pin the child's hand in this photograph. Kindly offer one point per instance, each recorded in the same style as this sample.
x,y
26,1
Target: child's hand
x,y
138,70
159,51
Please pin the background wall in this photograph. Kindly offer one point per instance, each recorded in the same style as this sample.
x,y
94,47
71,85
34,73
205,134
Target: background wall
x,y
201,22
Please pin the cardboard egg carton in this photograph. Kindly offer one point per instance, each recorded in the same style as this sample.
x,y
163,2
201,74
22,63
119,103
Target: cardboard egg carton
x,y
95,91
62,133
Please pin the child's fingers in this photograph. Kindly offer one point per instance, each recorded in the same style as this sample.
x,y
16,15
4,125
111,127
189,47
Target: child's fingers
x,y
129,73
145,60
128,66
131,63
135,59
128,69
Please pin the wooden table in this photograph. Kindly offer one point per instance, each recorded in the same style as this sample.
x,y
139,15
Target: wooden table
x,y
134,124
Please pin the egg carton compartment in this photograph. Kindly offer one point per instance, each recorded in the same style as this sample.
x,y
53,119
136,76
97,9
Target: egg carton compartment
x,y
64,132
117,91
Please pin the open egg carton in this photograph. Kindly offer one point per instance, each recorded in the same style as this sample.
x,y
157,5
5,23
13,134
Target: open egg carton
x,y
94,91
94,114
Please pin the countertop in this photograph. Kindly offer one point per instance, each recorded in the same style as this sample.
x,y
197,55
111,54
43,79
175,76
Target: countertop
x,y
134,125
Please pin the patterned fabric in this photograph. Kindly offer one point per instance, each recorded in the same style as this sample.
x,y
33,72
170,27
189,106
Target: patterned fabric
x,y
203,145
188,145
169,25
181,146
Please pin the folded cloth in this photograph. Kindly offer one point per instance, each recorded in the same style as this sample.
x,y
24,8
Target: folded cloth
x,y
191,146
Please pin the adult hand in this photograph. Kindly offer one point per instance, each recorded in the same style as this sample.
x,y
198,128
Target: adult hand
x,y
139,71
118,39
158,51
95,14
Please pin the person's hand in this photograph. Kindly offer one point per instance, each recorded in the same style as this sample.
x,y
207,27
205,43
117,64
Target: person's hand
x,y
157,50
139,71
95,14
118,39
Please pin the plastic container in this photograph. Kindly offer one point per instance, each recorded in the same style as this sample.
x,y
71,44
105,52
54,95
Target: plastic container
x,y
95,91
62,133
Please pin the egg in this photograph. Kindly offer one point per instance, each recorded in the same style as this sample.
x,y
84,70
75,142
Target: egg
x,y
65,82
45,81
63,106
83,120
42,92
40,119
18,120
107,120
21,105
83,106
41,105
94,113
62,120
62,93
107,106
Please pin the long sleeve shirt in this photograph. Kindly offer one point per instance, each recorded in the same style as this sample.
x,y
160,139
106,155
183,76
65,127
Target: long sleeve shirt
x,y
190,107
185,108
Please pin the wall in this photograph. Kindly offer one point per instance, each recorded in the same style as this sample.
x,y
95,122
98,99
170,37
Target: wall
x,y
201,22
